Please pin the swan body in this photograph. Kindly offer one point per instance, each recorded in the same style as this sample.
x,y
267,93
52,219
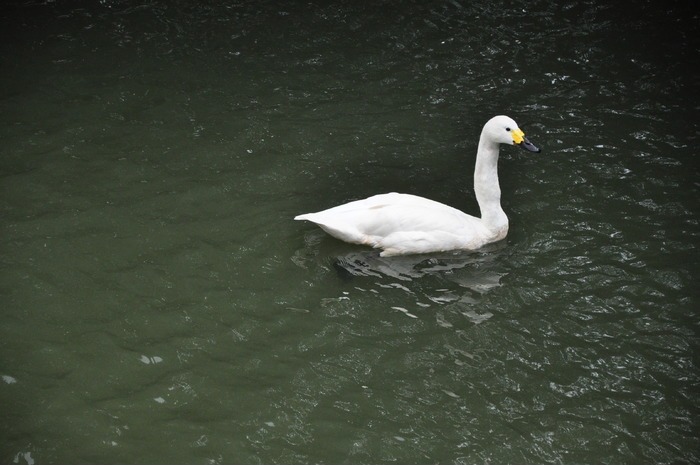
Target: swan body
x,y
407,224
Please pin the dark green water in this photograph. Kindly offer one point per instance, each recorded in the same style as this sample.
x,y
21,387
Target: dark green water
x,y
159,305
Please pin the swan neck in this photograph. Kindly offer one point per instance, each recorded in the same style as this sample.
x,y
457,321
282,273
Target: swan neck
x,y
486,186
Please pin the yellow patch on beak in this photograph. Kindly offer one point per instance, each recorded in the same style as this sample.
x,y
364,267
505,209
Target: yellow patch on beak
x,y
518,135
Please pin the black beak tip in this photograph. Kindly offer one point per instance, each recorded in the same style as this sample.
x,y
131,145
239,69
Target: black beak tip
x,y
529,146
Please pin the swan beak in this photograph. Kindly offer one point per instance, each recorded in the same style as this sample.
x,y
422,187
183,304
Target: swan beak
x,y
520,139
529,146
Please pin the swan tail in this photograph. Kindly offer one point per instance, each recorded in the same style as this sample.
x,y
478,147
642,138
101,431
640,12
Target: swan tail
x,y
344,232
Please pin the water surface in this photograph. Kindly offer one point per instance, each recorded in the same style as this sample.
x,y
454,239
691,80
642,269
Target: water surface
x,y
160,305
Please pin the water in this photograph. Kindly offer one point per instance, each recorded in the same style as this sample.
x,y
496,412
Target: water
x,y
159,305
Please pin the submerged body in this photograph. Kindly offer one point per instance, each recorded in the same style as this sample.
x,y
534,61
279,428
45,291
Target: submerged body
x,y
407,224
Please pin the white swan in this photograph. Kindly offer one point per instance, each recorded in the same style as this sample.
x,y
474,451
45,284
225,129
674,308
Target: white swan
x,y
407,224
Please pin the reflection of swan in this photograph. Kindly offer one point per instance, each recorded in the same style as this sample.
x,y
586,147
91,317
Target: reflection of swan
x,y
454,281
407,268
406,224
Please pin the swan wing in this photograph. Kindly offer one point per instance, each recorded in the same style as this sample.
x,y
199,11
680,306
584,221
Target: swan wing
x,y
400,223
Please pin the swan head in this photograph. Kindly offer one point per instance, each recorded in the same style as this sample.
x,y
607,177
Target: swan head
x,y
504,130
